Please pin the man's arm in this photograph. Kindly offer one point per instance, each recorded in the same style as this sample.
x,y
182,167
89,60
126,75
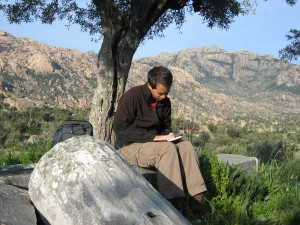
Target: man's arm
x,y
124,119
128,132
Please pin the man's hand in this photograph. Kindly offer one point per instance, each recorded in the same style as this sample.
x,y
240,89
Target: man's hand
x,y
164,137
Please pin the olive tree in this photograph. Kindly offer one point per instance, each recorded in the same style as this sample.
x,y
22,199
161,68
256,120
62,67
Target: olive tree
x,y
122,25
291,51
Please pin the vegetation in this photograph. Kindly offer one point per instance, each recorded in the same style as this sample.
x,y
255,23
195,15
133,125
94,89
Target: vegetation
x,y
26,136
268,196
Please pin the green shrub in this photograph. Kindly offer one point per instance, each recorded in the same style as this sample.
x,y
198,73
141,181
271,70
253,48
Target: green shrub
x,y
234,132
267,151
216,175
235,148
212,128
231,192
282,205
26,155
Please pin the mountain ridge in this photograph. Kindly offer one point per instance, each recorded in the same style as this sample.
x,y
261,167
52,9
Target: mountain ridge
x,y
209,82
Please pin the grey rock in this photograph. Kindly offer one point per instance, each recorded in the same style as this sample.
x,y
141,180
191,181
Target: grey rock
x,y
85,181
248,164
15,206
17,175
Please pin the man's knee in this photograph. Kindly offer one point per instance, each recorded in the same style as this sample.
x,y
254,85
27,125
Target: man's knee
x,y
168,150
186,146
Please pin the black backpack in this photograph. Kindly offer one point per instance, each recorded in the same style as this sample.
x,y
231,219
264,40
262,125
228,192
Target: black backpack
x,y
71,128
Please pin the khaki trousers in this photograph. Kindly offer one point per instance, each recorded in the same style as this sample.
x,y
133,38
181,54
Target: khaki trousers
x,y
178,172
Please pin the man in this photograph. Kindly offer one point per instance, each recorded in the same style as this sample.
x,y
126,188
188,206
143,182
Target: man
x,y
142,125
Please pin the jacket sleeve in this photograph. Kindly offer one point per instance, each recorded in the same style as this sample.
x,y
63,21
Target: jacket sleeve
x,y
124,118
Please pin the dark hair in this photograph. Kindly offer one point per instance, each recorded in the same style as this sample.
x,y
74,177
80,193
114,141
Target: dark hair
x,y
160,75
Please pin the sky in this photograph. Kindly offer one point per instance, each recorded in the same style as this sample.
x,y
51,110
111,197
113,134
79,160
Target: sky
x,y
263,32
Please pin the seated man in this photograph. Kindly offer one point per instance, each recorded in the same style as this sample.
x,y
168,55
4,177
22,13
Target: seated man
x,y
142,125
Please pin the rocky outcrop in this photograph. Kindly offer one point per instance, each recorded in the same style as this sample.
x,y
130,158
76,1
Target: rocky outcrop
x,y
63,77
209,82
213,83
85,181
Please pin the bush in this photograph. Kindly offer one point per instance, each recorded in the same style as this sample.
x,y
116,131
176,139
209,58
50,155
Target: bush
x,y
266,151
269,196
234,132
27,155
212,128
235,148
231,192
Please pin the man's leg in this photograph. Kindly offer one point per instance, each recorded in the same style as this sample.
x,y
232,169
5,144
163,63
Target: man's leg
x,y
194,180
163,156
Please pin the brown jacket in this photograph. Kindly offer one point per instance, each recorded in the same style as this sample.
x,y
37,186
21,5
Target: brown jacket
x,y
137,121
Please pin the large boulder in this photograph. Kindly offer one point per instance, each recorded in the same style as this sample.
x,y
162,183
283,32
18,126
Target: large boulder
x,y
85,181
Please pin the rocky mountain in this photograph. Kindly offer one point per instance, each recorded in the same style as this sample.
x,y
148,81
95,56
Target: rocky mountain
x,y
63,77
209,82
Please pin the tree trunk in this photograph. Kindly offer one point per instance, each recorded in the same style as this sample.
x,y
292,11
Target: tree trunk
x,y
114,61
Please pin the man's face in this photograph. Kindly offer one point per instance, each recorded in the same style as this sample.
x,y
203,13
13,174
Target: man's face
x,y
160,92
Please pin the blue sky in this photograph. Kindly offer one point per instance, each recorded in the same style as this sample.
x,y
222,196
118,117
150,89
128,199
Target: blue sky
x,y
262,33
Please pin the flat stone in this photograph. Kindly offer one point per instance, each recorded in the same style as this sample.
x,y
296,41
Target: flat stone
x,y
246,163
15,206
17,175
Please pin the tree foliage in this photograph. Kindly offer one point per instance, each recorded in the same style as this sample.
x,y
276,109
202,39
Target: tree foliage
x,y
89,16
292,51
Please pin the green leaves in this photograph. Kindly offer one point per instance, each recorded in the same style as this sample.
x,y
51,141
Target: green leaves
x,y
269,196
27,155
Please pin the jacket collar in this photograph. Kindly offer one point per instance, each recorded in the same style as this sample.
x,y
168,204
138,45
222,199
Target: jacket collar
x,y
146,92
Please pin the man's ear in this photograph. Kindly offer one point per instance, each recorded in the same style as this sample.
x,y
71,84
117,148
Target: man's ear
x,y
149,86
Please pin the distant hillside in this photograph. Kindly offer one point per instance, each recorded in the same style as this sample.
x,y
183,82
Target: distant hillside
x,y
64,77
210,83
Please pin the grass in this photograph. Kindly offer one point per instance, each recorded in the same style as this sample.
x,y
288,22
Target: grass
x,y
27,155
269,196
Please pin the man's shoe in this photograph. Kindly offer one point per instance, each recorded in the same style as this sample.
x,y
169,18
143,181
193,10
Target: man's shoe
x,y
176,202
198,205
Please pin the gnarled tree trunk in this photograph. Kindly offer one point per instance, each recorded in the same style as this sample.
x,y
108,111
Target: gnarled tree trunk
x,y
112,78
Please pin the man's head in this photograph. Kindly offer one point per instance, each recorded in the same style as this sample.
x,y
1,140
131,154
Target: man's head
x,y
159,82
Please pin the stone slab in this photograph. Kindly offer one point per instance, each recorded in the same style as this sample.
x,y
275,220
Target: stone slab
x,y
15,206
17,175
245,162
